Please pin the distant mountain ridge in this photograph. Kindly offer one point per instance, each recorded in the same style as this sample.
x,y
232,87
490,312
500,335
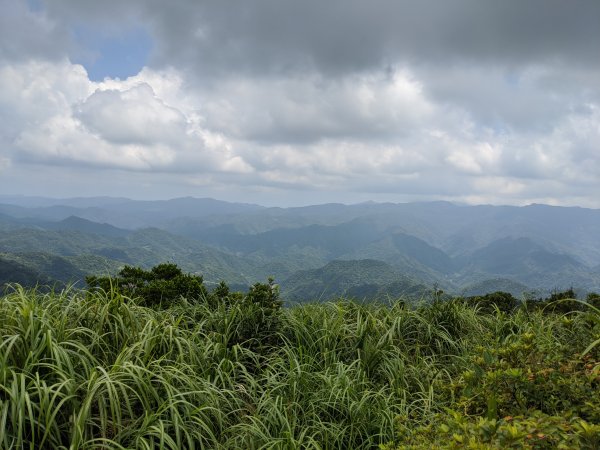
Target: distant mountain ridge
x,y
75,223
124,213
456,247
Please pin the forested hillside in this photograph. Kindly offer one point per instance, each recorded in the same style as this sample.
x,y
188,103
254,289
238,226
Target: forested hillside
x,y
358,279
534,249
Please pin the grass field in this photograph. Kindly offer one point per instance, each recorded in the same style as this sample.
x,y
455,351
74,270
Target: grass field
x,y
96,370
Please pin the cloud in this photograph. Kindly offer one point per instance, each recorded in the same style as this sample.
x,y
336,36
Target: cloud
x,y
530,99
132,116
25,34
392,139
61,140
4,163
311,108
55,115
286,36
462,99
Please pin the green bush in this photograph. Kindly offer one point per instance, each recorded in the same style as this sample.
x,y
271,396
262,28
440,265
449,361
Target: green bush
x,y
561,302
258,317
495,301
593,299
160,286
453,430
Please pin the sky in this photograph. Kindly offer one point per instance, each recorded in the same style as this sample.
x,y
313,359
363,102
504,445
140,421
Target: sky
x,y
286,102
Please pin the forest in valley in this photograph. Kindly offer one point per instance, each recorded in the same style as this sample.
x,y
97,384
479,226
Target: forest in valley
x,y
366,250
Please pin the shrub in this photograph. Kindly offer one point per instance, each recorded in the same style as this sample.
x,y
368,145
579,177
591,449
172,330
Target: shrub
x,y
158,287
593,299
259,318
453,430
489,303
562,302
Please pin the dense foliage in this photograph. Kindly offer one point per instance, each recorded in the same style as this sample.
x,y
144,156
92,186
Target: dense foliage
x,y
363,279
314,252
99,369
159,286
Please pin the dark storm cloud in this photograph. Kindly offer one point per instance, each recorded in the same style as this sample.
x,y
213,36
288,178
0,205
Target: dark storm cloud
x,y
338,36
25,34
473,54
258,36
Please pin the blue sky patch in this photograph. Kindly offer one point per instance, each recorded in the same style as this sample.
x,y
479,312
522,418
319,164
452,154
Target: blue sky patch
x,y
115,56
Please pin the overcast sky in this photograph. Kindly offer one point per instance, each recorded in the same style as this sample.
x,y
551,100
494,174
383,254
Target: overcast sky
x,y
293,102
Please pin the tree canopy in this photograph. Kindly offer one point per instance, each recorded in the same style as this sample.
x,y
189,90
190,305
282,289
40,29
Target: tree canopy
x,y
161,285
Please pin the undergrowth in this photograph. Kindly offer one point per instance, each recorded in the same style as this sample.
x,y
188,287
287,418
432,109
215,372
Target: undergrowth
x,y
96,370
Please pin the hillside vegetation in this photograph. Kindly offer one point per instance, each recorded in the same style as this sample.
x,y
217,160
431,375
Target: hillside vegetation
x,y
461,249
362,279
99,369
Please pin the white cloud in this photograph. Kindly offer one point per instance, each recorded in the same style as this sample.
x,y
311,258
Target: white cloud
x,y
53,114
375,132
475,159
309,108
132,116
34,90
62,140
309,111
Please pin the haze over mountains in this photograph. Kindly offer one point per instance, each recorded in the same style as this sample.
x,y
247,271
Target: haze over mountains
x,y
363,250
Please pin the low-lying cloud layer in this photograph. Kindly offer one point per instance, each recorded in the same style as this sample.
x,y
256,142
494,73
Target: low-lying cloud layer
x,y
301,102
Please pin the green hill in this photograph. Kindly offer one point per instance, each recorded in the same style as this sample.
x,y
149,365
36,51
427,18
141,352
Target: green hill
x,y
49,254
39,268
365,278
526,261
15,271
454,246
74,223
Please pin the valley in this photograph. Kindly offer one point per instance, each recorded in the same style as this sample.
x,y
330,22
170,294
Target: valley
x,y
367,250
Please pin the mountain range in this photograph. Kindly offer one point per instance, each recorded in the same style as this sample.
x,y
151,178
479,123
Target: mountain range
x,y
362,250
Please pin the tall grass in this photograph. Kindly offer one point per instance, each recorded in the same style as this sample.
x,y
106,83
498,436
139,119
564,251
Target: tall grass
x,y
95,370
